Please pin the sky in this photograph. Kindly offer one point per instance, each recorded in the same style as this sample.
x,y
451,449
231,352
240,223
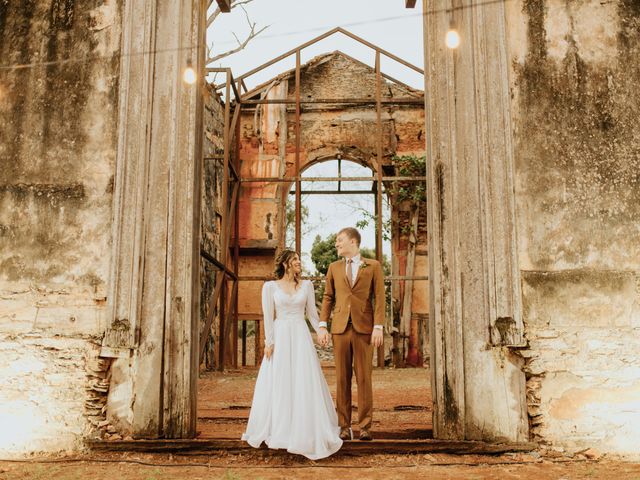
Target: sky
x,y
330,213
385,23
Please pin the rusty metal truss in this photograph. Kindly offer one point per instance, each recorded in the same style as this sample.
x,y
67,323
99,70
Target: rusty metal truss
x,y
224,298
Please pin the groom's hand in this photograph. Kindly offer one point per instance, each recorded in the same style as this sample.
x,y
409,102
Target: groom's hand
x,y
376,337
323,336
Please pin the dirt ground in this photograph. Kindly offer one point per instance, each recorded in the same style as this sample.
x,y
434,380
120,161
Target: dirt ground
x,y
375,467
402,410
402,402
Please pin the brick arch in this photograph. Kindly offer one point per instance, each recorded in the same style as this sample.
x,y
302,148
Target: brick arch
x,y
267,141
323,158
329,154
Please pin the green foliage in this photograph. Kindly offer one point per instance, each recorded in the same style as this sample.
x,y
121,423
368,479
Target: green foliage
x,y
323,253
410,166
371,218
414,192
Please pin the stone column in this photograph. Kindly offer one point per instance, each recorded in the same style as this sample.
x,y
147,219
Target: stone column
x,y
154,290
475,290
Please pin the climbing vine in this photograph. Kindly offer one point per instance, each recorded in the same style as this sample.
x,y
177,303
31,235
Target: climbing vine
x,y
413,192
410,166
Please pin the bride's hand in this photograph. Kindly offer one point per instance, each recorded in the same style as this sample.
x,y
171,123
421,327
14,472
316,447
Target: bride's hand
x,y
323,337
268,351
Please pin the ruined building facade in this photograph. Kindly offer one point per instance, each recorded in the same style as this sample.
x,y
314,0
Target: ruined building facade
x,y
533,195
534,159
344,129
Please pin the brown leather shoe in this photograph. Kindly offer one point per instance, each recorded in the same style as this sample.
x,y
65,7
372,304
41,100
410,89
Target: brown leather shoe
x,y
346,434
365,435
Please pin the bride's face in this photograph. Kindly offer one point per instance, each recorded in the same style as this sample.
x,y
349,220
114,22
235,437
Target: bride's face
x,y
295,264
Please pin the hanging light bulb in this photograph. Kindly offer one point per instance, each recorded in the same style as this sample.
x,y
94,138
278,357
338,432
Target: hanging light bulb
x,y
452,39
189,76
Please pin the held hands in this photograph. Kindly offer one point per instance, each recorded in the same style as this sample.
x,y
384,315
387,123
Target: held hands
x,y
376,337
323,337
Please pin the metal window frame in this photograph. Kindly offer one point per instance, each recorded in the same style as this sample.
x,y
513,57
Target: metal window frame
x,y
227,266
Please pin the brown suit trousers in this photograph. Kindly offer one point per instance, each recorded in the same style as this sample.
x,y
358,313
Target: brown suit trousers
x,y
354,315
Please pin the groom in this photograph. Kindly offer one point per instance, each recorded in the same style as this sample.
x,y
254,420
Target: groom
x,y
352,283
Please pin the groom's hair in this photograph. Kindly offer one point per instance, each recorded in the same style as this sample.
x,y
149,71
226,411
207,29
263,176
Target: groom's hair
x,y
352,233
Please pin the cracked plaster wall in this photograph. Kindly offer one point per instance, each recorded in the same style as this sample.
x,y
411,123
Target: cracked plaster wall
x,y
576,83
57,151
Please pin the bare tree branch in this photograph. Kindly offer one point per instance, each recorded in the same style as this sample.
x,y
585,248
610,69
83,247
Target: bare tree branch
x,y
241,45
213,16
253,33
217,11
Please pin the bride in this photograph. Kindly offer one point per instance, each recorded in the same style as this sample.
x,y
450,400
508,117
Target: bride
x,y
292,407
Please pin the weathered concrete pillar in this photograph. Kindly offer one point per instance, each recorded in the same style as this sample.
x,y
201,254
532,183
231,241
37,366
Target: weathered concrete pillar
x,y
479,387
154,278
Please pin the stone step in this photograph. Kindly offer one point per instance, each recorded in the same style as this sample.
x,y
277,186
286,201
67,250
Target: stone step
x,y
353,447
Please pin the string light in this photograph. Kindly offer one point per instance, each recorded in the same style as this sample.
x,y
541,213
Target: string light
x,y
189,76
94,58
452,38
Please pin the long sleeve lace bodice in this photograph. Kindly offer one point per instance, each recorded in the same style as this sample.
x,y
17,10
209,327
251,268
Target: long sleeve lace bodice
x,y
280,305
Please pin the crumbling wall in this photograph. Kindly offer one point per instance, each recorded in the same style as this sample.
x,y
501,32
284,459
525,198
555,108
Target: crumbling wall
x,y
409,247
211,208
576,84
57,150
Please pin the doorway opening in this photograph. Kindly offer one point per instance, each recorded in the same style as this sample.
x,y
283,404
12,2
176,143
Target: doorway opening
x,y
286,142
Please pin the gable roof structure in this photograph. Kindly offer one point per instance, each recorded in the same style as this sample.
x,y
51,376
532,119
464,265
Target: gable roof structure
x,y
250,94
327,58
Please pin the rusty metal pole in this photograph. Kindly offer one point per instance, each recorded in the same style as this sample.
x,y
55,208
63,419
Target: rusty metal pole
x,y
297,161
236,233
244,343
378,208
224,250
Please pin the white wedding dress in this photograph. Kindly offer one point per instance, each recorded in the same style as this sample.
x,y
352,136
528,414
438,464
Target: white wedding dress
x,y
292,407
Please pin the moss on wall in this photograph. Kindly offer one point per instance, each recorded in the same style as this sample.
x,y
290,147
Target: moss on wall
x,y
578,136
58,141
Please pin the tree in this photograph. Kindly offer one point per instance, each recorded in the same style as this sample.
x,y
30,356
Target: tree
x,y
253,31
323,252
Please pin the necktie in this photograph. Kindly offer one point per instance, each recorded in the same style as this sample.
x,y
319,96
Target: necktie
x,y
350,272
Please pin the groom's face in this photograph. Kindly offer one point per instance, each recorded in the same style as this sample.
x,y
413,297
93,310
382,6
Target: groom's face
x,y
345,246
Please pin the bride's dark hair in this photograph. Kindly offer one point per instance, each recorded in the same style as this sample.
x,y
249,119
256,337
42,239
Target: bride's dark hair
x,y
283,263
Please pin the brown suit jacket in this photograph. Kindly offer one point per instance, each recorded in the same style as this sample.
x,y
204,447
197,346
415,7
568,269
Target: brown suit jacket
x,y
364,302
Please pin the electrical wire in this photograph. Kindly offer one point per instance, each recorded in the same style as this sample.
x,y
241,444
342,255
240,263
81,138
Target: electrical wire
x,y
95,58
379,20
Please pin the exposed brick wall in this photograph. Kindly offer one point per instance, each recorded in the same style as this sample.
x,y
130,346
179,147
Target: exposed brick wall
x,y
211,209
